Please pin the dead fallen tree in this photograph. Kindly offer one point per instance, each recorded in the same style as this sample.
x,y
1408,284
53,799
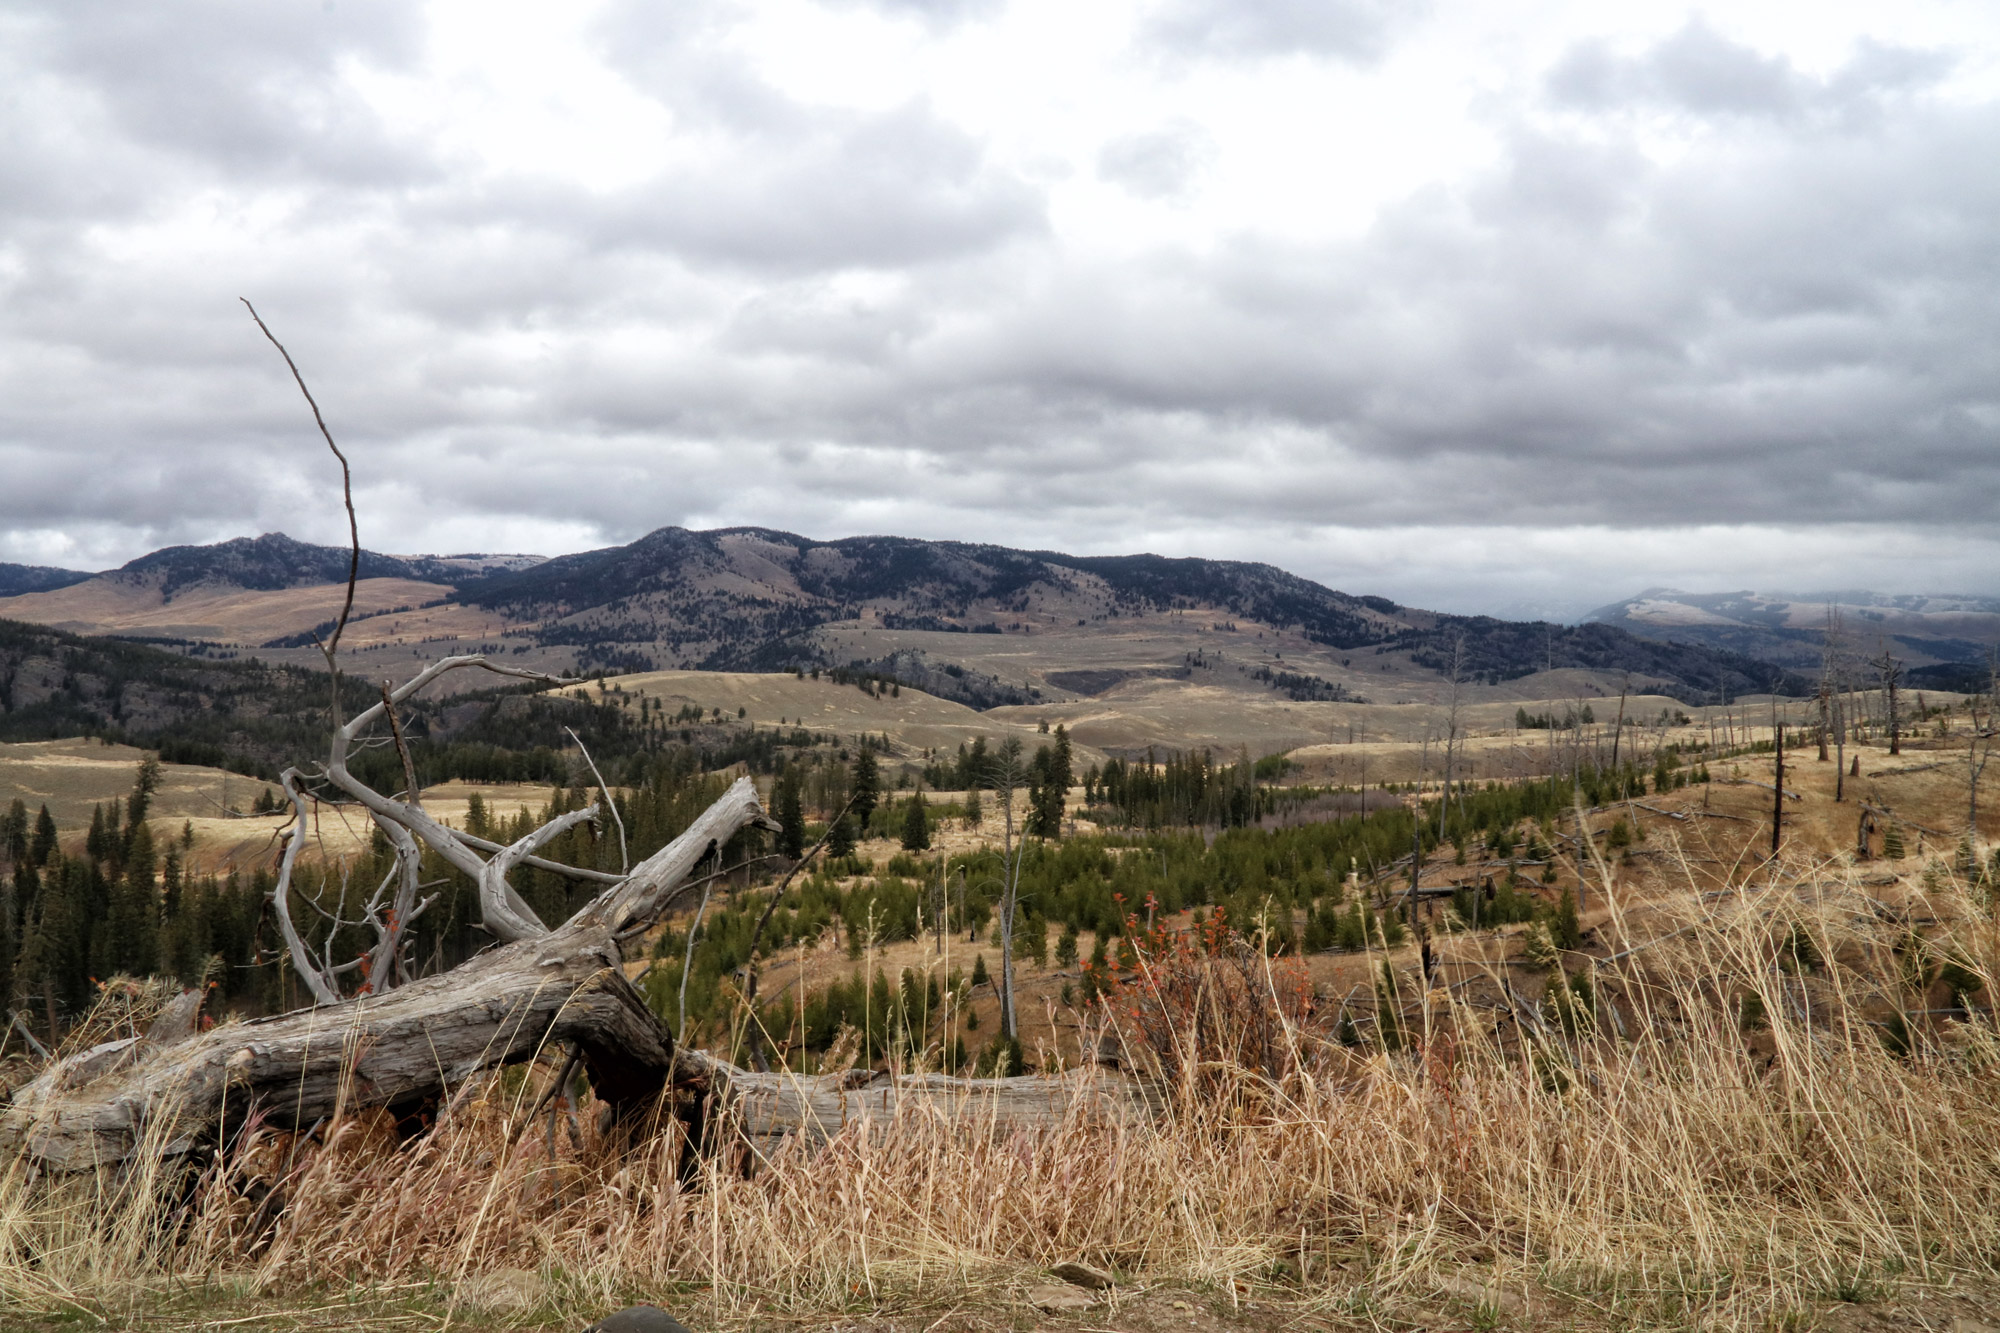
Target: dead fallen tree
x,y
172,1091
381,1035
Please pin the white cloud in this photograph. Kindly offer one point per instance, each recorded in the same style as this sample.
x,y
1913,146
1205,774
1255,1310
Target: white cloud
x,y
1477,306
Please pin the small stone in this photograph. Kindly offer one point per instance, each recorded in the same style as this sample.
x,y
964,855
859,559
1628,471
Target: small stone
x,y
1083,1275
1053,1299
502,1291
638,1319
1964,1325
1182,1305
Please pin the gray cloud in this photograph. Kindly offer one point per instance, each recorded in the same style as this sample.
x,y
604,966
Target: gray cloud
x,y
1702,73
1159,164
1355,30
1527,387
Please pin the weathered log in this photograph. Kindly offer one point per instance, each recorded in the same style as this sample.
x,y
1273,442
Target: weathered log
x,y
399,1049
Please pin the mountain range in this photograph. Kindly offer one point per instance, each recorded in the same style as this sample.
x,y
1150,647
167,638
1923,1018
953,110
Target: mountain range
x,y
1946,641
985,625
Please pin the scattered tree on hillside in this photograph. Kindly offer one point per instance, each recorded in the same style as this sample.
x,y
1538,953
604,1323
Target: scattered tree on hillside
x,y
789,807
916,826
867,785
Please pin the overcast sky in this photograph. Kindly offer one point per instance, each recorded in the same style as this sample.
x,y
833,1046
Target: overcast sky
x,y
1485,306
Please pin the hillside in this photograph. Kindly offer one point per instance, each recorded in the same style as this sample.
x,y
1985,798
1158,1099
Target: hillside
x,y
1062,626
1944,640
255,717
985,626
17,579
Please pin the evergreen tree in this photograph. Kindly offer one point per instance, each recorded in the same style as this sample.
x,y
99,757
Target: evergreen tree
x,y
9,941
56,959
170,884
791,815
1060,773
840,842
44,845
130,934
973,813
15,830
916,826
1033,939
144,784
1565,931
94,843
867,787
27,890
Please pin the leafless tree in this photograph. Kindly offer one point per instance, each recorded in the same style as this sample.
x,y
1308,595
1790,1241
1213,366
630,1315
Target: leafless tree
x,y
1979,743
1008,773
1890,673
1833,681
1451,730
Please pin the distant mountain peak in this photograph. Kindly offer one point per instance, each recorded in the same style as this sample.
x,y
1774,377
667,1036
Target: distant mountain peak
x,y
18,579
274,560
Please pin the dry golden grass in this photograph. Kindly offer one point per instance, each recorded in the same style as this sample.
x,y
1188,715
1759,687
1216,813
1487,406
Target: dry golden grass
x,y
1663,1167
115,605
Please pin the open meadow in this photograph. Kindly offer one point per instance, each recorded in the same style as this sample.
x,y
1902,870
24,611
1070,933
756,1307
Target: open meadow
x,y
1597,1059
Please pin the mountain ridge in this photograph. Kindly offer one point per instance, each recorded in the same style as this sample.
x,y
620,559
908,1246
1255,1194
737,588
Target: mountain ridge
x,y
979,623
1943,640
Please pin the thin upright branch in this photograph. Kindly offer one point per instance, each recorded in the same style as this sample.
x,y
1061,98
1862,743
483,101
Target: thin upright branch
x,y
411,792
624,857
332,643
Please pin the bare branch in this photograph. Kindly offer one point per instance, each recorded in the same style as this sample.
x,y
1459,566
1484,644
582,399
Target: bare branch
x,y
447,842
538,863
497,900
347,493
411,792
624,858
322,989
777,897
657,882
687,964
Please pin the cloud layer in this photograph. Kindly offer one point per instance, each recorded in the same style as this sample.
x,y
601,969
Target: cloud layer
x,y
1477,309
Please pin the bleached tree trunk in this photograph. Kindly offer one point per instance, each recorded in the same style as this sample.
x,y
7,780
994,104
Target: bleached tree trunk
x,y
396,1049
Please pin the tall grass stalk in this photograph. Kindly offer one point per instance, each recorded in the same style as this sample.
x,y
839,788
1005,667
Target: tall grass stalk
x,y
1668,1165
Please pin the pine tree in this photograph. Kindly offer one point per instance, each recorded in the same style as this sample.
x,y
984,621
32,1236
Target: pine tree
x,y
1565,931
840,841
916,826
144,784
9,941
16,832
44,845
867,787
56,957
791,816
130,933
94,845
973,813
170,884
1061,773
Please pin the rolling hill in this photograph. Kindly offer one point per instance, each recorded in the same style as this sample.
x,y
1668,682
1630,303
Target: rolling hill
x,y
1946,641
982,625
17,579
